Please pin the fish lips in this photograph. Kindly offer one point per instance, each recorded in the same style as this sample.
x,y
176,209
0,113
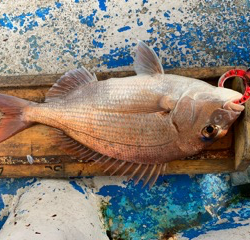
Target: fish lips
x,y
230,105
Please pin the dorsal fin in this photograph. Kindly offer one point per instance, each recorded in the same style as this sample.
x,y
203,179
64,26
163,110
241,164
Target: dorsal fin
x,y
146,61
68,82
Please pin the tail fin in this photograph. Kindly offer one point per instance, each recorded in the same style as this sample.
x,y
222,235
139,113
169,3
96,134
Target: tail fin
x,y
11,121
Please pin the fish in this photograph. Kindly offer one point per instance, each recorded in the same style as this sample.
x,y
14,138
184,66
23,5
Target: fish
x,y
129,126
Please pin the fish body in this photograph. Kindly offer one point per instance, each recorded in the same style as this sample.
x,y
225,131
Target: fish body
x,y
136,123
121,118
116,118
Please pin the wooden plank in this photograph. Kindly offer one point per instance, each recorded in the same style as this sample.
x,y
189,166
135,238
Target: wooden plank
x,y
48,159
242,140
62,170
242,135
37,141
46,80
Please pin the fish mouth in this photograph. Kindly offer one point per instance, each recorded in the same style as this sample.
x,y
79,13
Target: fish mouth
x,y
231,106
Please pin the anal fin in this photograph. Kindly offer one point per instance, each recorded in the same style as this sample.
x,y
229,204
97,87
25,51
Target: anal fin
x,y
148,173
73,147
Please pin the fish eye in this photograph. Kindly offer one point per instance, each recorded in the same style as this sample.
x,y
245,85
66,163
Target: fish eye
x,y
210,131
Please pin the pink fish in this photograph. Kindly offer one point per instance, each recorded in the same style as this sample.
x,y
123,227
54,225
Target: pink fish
x,y
129,125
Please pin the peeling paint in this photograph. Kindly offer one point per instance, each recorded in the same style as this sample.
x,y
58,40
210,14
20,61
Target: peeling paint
x,y
47,37
102,5
235,217
53,209
88,20
191,207
123,29
187,34
182,202
77,187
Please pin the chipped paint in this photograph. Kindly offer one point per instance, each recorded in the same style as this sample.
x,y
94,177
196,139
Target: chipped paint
x,y
55,36
235,221
182,201
96,33
9,189
53,209
123,29
191,207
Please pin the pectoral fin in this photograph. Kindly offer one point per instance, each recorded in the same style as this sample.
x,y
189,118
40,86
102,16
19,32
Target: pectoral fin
x,y
167,103
162,104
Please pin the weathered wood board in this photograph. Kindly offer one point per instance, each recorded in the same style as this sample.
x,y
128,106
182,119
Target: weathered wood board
x,y
49,161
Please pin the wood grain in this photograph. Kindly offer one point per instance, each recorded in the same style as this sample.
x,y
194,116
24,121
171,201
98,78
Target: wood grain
x,y
242,135
44,80
242,140
62,170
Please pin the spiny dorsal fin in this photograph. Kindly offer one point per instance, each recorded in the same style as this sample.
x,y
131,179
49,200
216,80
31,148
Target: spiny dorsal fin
x,y
68,82
146,61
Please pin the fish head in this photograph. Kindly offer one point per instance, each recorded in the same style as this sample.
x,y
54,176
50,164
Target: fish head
x,y
203,114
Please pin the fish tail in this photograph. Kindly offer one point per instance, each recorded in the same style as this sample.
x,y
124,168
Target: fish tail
x,y
12,118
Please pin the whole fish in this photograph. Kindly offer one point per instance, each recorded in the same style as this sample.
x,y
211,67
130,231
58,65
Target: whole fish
x,y
129,125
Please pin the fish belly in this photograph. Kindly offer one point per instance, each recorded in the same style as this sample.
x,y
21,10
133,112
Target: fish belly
x,y
144,138
99,117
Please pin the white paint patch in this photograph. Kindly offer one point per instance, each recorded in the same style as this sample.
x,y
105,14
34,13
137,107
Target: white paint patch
x,y
54,209
241,233
7,200
59,41
10,201
97,182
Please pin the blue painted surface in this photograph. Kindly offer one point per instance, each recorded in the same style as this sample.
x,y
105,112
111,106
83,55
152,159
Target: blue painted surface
x,y
77,187
239,210
126,28
98,44
208,34
88,20
211,33
177,203
58,4
102,5
43,13
117,57
173,204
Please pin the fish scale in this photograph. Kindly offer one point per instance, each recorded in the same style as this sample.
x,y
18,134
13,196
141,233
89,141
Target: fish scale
x,y
133,129
112,95
145,120
98,111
